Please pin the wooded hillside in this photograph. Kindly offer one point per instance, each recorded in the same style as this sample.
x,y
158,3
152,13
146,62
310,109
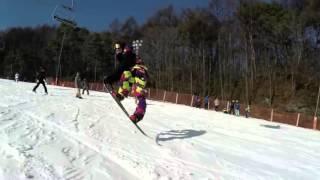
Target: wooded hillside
x,y
258,52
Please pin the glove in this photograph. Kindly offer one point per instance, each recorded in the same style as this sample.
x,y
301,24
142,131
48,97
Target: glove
x,y
117,46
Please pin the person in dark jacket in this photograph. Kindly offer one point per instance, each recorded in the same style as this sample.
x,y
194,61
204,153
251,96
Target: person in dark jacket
x,y
126,60
41,77
122,75
232,107
85,86
85,83
247,111
206,102
196,101
237,108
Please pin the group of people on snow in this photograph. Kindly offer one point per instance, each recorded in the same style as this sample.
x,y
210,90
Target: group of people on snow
x,y
197,102
232,107
81,82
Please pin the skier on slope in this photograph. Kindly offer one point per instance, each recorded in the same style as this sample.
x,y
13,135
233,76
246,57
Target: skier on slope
x,y
41,76
130,73
16,76
77,84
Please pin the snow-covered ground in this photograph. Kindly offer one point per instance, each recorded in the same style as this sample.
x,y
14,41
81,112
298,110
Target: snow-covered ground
x,y
61,137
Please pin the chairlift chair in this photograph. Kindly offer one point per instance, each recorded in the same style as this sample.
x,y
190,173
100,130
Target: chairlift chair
x,y
65,21
65,14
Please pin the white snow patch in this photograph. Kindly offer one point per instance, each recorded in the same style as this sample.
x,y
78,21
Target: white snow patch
x,y
58,136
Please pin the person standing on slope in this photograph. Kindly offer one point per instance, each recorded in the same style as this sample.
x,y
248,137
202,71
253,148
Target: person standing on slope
x,y
16,76
77,85
41,77
85,83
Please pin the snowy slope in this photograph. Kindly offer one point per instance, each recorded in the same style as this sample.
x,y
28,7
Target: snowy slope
x,y
61,137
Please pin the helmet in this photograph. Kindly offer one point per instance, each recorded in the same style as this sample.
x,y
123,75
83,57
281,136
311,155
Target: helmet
x,y
128,48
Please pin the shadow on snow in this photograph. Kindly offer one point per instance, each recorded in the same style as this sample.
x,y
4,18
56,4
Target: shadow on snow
x,y
271,126
178,134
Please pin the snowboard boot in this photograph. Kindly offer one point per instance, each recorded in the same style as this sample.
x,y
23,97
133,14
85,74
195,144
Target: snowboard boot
x,y
135,119
118,96
78,96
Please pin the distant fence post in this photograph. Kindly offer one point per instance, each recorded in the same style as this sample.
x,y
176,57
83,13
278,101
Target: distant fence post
x,y
315,121
149,93
192,100
164,96
271,117
298,119
177,97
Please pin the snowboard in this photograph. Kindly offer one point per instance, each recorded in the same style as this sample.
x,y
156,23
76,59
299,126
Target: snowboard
x,y
109,91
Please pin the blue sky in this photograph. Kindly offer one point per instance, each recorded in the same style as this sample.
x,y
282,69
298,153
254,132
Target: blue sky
x,y
96,15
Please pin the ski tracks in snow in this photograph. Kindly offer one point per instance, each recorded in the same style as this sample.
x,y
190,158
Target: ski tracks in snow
x,y
27,136
82,161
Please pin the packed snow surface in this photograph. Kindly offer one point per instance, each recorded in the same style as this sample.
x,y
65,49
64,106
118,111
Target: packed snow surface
x,y
57,136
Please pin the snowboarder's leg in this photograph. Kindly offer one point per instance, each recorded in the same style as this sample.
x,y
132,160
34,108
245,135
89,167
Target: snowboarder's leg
x,y
140,110
44,86
78,94
35,88
126,81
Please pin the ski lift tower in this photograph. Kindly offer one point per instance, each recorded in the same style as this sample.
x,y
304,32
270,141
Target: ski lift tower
x,y
65,15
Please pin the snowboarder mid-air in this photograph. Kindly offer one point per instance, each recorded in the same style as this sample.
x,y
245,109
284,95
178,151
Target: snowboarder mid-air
x,y
41,76
132,76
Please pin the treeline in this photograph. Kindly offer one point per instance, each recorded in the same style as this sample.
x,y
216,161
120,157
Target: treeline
x,y
259,52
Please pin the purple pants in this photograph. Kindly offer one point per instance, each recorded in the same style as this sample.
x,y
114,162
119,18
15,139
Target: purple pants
x,y
141,107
